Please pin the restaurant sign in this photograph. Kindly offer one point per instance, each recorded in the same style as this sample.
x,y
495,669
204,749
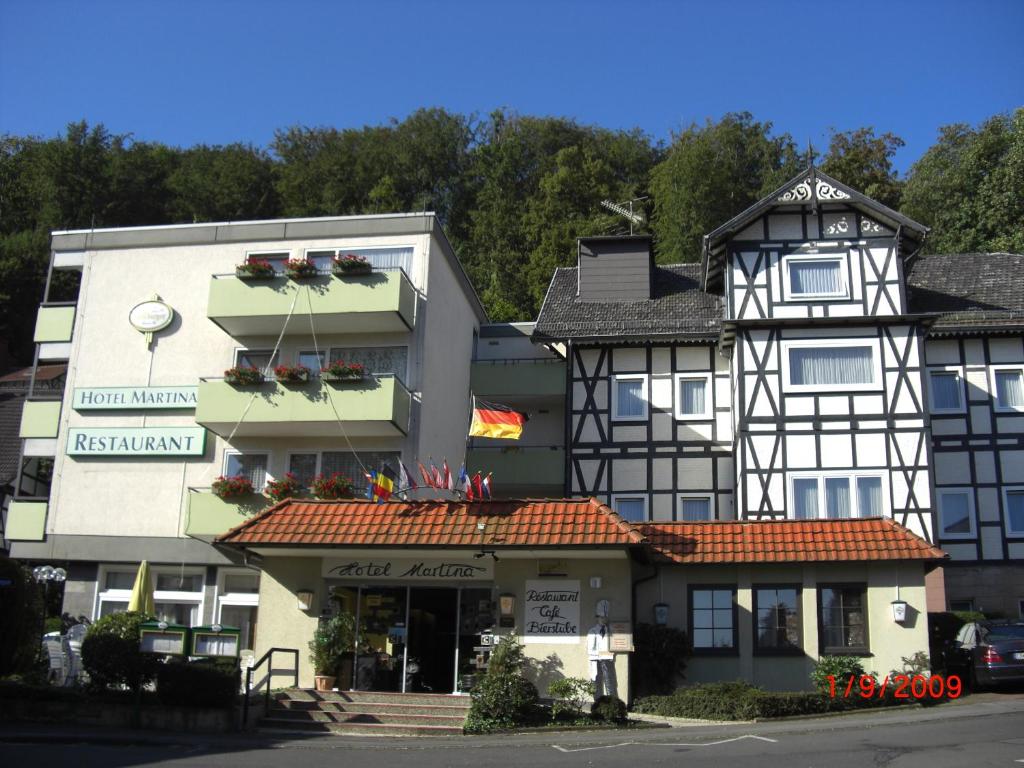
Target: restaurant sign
x,y
136,441
551,611
134,398
376,569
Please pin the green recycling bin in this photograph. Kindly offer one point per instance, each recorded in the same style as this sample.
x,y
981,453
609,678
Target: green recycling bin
x,y
164,638
216,640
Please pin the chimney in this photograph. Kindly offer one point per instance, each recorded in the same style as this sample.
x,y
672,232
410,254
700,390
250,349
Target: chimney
x,y
616,268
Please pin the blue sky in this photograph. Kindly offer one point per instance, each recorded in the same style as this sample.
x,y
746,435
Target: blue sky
x,y
216,71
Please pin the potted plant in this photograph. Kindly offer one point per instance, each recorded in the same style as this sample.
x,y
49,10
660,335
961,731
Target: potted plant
x,y
300,268
339,370
333,486
243,376
334,637
351,264
232,486
255,269
285,488
292,374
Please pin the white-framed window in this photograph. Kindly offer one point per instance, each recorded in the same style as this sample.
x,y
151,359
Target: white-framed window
x,y
946,390
956,513
694,507
306,465
238,599
393,360
177,592
629,397
831,365
264,359
815,276
1008,387
250,464
693,396
277,259
631,507
838,495
312,360
380,257
1013,503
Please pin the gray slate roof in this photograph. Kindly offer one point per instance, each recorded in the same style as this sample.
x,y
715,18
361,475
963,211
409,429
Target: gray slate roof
x,y
10,443
678,310
973,291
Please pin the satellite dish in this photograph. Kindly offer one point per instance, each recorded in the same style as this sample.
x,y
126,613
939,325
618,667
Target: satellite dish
x,y
626,213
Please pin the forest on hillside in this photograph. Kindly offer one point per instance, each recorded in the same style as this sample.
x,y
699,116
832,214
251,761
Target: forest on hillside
x,y
512,191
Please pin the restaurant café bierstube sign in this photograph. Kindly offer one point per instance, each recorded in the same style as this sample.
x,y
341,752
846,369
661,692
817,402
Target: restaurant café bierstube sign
x,y
375,569
551,612
136,441
130,398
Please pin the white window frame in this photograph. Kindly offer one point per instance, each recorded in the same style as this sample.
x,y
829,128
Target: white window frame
x,y
376,247
275,359
408,356
223,598
709,497
947,369
159,596
1019,367
851,477
971,512
709,397
276,252
1007,490
787,290
641,496
248,452
615,395
833,343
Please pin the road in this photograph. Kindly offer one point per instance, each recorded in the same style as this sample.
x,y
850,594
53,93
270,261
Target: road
x,y
985,730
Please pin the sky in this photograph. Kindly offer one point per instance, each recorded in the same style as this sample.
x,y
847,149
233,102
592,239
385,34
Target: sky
x,y
186,72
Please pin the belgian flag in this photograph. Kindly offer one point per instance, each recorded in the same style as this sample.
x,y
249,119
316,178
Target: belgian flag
x,y
499,421
383,484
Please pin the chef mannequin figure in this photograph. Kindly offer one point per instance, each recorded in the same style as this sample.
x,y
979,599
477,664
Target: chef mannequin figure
x,y
602,660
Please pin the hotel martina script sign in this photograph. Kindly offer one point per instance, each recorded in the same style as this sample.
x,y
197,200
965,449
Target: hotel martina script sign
x,y
133,398
136,441
374,569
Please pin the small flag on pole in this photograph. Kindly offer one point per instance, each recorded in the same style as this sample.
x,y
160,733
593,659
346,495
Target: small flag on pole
x,y
478,488
383,484
449,483
371,479
498,421
427,479
405,481
464,485
486,486
435,473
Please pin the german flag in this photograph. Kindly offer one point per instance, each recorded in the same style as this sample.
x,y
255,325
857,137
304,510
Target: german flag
x,y
499,421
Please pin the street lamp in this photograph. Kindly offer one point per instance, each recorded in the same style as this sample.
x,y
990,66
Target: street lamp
x,y
45,574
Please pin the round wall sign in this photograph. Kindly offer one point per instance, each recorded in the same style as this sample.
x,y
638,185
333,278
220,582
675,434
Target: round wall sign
x,y
150,316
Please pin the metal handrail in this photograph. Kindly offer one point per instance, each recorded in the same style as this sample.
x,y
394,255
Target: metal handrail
x,y
516,360
268,659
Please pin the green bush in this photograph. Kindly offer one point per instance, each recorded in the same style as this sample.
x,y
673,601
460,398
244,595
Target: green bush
x,y
21,615
610,709
571,695
840,668
197,684
333,638
659,661
503,698
111,655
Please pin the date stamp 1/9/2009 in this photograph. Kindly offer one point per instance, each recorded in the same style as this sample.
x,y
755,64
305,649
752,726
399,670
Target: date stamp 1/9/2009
x,y
901,687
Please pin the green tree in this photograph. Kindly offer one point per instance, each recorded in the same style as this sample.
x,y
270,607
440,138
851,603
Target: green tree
x,y
863,161
223,183
711,173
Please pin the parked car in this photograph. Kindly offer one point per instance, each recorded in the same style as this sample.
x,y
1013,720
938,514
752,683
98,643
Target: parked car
x,y
987,652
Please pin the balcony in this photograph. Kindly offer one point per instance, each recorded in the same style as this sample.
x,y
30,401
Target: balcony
x,y
55,323
26,521
518,377
40,419
532,470
380,302
377,406
209,515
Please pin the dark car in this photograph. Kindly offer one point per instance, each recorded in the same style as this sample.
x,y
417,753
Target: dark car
x,y
987,652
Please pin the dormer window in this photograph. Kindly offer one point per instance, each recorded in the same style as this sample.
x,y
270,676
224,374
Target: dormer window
x,y
814,277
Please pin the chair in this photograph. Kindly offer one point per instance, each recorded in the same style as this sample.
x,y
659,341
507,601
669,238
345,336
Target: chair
x,y
73,654
55,654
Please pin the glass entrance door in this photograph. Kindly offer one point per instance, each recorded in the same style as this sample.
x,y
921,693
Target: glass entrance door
x,y
433,636
380,656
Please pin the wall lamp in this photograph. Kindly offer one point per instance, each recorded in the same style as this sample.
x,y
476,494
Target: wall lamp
x,y
305,598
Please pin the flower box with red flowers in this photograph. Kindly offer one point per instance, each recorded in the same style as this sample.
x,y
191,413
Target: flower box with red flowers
x,y
351,264
292,374
339,370
243,376
285,488
255,269
333,486
298,269
232,486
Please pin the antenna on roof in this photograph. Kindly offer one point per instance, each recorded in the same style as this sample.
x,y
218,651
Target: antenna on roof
x,y
627,213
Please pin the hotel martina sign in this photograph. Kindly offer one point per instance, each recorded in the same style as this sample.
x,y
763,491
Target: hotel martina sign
x,y
134,398
136,441
373,569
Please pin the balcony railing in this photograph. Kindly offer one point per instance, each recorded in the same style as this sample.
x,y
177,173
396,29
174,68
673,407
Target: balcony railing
x,y
527,466
376,406
209,515
518,377
382,301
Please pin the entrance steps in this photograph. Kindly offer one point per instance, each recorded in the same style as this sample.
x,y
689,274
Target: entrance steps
x,y
367,713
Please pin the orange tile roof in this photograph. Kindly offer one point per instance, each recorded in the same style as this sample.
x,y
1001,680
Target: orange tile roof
x,y
786,541
509,523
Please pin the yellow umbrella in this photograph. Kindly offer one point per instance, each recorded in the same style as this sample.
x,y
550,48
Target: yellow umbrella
x,y
142,591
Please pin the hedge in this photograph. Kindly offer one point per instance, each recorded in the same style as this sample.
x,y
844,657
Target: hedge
x,y
197,684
